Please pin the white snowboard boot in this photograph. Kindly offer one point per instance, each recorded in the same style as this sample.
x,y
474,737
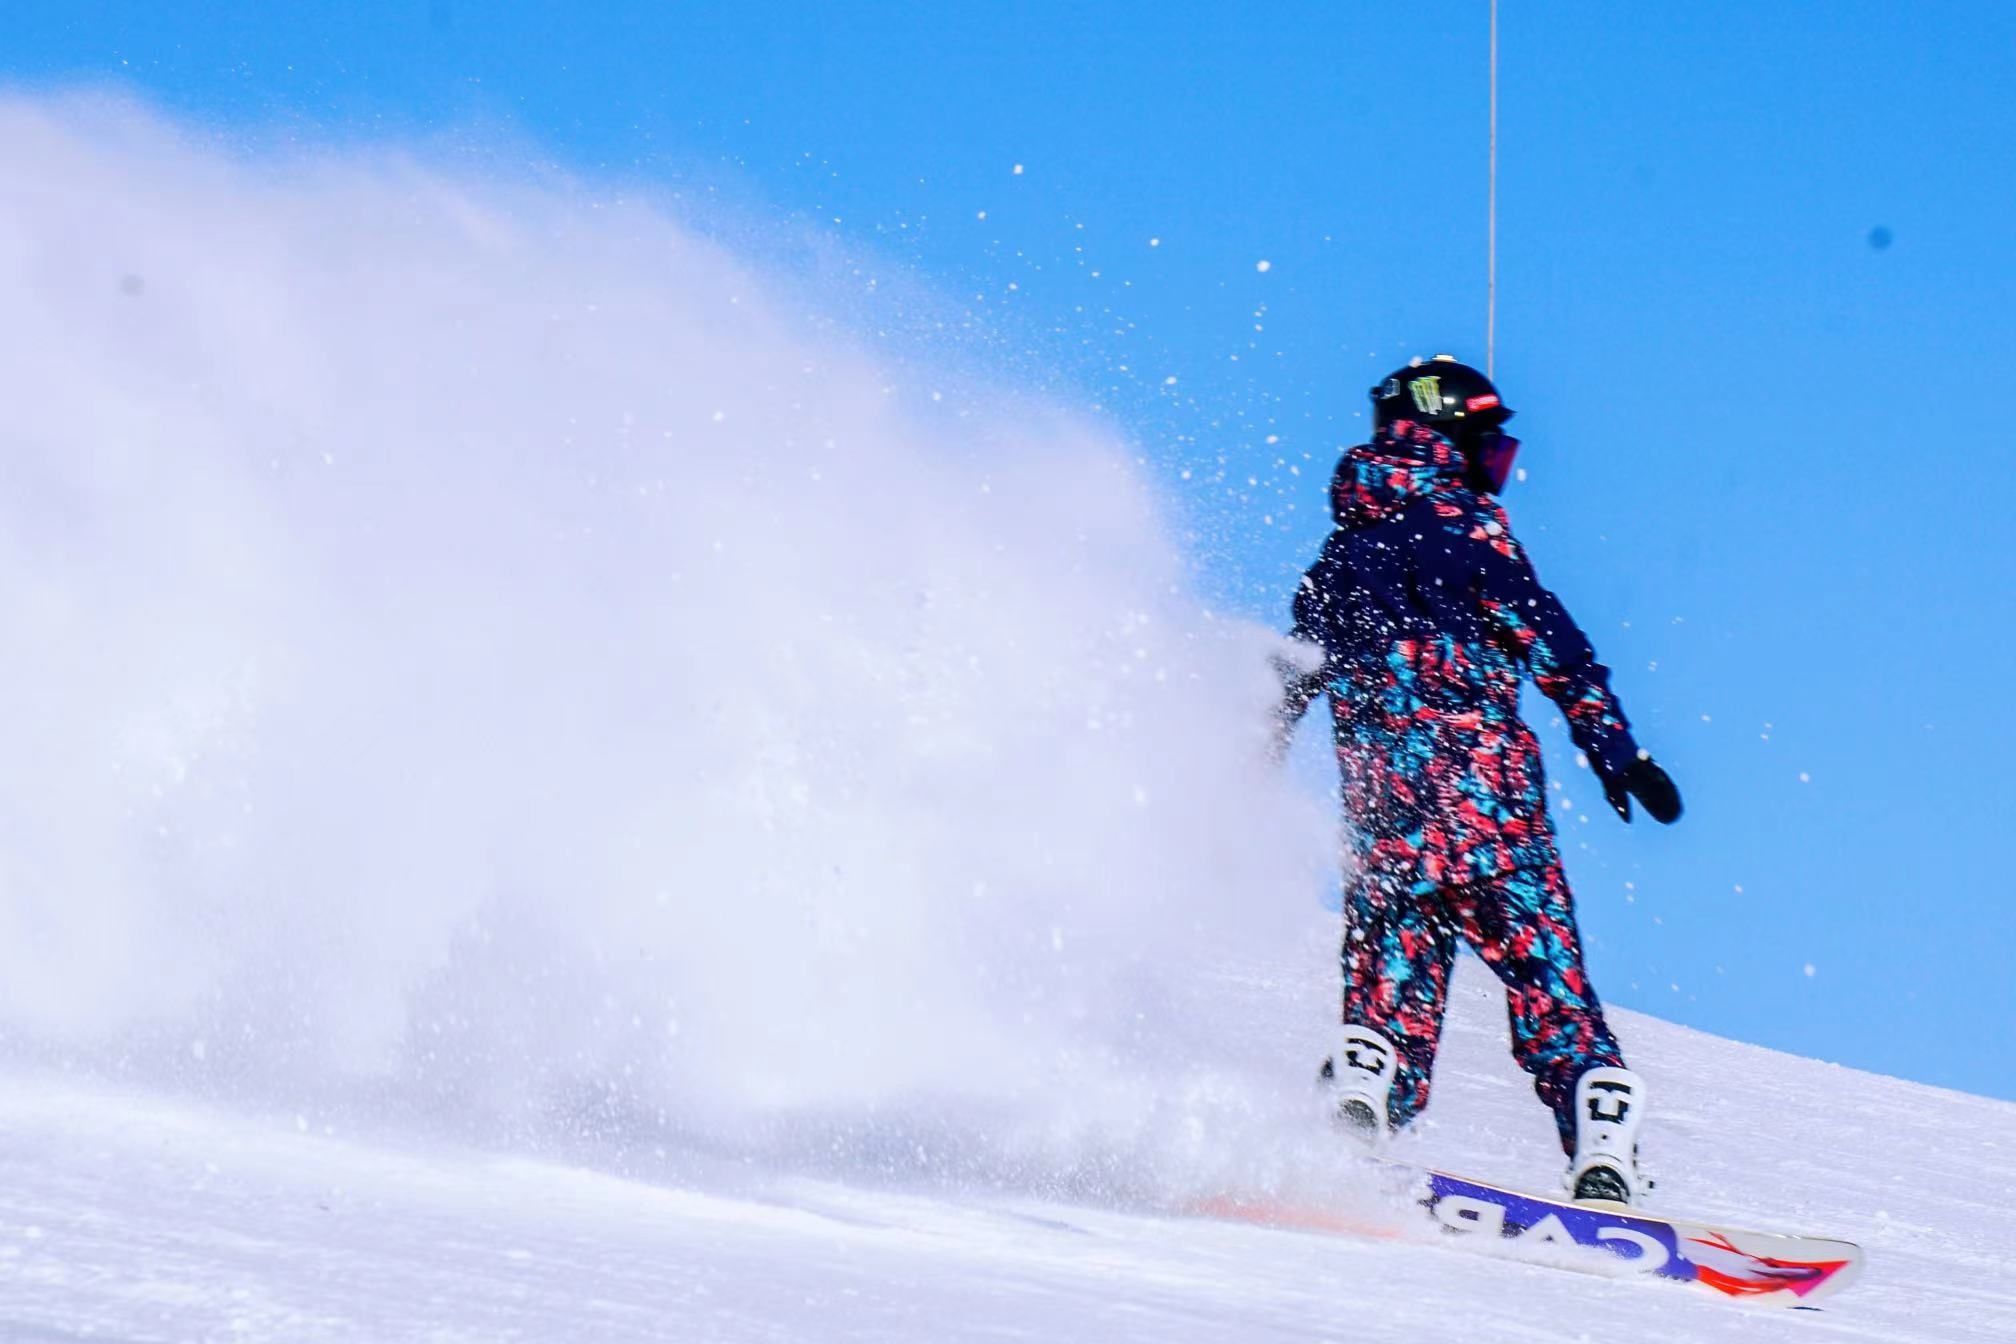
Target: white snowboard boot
x,y
1363,1075
1609,1106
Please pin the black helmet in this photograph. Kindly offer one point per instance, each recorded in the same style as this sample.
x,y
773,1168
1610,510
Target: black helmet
x,y
1441,393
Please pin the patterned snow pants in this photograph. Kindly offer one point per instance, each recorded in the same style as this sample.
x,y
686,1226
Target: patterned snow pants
x,y
1399,947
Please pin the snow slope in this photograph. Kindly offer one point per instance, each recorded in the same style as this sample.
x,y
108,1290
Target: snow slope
x,y
552,792
130,1217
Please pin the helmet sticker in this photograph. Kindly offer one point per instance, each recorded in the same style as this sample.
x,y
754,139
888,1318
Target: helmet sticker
x,y
1427,394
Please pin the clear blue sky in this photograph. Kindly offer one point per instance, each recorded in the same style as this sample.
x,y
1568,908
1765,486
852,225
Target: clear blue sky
x,y
1767,454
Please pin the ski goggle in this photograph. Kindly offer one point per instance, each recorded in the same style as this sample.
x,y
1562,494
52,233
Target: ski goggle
x,y
1491,456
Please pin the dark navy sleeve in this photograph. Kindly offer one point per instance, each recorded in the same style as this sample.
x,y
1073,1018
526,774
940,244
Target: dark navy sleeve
x,y
1304,669
1530,623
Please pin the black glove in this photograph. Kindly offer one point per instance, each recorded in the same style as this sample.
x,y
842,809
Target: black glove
x,y
1299,688
1645,781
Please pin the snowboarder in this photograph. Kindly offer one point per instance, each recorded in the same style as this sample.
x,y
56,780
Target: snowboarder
x,y
1418,620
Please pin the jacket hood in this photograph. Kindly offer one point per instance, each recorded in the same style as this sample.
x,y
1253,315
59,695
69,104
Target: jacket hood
x,y
1404,462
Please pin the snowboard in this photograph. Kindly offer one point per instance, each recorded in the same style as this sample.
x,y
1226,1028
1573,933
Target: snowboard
x,y
1757,1268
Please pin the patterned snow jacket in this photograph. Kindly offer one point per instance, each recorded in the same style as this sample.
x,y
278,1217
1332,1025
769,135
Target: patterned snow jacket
x,y
1425,613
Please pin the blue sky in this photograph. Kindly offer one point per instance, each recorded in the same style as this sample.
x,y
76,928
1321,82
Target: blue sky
x,y
1765,453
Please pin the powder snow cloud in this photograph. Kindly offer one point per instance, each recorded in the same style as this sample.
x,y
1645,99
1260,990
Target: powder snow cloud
x,y
473,641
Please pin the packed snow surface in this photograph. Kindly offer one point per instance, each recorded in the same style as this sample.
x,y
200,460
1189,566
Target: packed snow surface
x,y
126,1217
552,793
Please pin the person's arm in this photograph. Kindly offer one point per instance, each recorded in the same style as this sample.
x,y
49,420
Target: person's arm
x,y
1299,689
1531,624
1302,665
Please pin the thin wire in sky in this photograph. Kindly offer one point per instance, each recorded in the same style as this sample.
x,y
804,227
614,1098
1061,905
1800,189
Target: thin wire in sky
x,y
1491,219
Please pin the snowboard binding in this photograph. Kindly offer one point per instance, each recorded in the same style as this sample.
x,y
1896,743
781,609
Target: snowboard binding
x,y
1609,1107
1361,1073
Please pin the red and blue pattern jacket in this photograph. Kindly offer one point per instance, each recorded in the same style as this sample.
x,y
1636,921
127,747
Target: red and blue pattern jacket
x,y
1423,614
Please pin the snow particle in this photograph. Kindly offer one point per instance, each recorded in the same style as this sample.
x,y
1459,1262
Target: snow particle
x,y
1154,242
1805,778
1263,266
1809,970
1018,170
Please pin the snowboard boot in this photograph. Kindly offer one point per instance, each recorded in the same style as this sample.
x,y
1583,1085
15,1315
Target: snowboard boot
x,y
1609,1105
1362,1072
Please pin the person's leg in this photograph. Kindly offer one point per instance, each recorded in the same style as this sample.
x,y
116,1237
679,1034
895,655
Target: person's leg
x,y
1523,927
1396,959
